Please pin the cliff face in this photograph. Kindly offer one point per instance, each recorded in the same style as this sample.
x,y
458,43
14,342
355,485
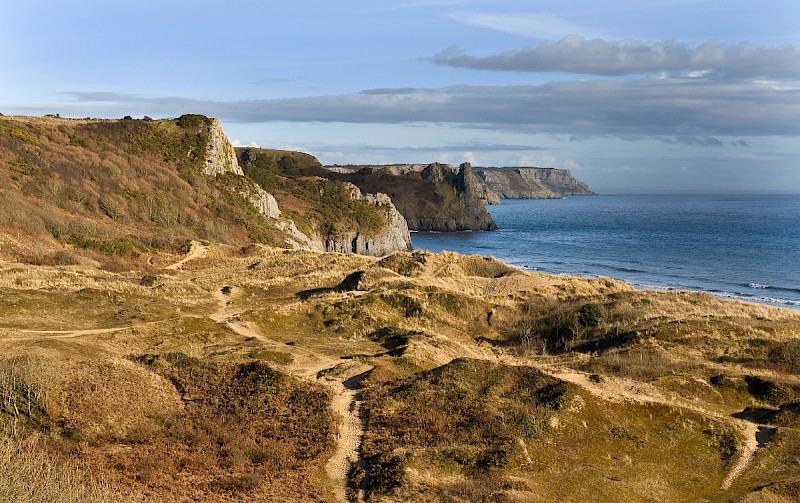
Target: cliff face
x,y
220,159
392,238
220,155
531,183
436,197
335,216
264,202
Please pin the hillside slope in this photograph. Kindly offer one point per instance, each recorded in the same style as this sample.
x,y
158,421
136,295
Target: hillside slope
x,y
114,191
135,369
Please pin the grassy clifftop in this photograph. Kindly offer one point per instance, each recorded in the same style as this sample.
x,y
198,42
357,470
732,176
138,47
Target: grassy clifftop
x,y
319,205
109,190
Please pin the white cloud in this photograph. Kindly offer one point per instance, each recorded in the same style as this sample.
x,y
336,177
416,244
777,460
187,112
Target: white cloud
x,y
471,158
575,54
238,143
525,24
693,112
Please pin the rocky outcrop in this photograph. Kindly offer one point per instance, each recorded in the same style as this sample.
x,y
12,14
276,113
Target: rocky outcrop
x,y
489,197
297,240
220,155
465,212
432,197
531,183
262,201
392,238
472,194
221,159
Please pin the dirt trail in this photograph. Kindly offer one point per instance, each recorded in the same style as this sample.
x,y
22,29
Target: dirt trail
x,y
749,430
66,334
342,378
69,334
196,250
616,389
347,403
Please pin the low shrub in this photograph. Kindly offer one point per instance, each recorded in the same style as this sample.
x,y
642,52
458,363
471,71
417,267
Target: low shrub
x,y
590,315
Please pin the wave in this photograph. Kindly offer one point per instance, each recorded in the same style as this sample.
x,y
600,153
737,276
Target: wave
x,y
760,286
628,269
747,297
761,299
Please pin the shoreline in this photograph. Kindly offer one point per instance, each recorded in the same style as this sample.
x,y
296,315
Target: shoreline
x,y
606,237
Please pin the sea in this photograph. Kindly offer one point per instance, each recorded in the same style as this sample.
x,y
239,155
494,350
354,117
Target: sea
x,y
736,246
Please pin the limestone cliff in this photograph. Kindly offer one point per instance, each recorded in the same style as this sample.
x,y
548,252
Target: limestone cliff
x,y
531,183
221,159
392,238
220,155
489,196
433,197
334,215
262,201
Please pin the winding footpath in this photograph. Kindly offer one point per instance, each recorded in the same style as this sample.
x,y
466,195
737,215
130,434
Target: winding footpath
x,y
196,250
342,379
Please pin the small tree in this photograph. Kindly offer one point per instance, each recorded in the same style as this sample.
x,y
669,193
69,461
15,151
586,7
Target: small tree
x,y
590,315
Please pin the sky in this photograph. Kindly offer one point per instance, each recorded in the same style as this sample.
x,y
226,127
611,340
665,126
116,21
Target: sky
x,y
631,96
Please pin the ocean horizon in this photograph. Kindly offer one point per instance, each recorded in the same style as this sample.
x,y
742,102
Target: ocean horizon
x,y
736,245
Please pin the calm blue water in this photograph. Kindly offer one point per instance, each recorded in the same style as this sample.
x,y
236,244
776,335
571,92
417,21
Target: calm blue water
x,y
736,246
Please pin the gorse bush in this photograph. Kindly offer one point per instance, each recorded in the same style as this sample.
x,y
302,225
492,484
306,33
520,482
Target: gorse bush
x,y
240,425
590,315
787,355
469,414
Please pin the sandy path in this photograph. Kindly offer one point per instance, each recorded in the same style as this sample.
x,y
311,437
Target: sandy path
x,y
347,404
66,334
196,250
340,377
747,450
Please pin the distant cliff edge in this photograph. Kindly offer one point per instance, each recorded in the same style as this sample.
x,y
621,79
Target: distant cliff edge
x,y
432,197
530,183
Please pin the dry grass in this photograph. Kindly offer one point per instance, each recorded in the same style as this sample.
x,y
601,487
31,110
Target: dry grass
x,y
31,475
184,422
244,431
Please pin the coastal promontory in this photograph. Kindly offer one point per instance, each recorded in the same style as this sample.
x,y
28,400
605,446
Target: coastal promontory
x,y
531,183
434,197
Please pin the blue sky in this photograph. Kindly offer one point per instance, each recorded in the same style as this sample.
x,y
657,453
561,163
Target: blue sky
x,y
629,95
